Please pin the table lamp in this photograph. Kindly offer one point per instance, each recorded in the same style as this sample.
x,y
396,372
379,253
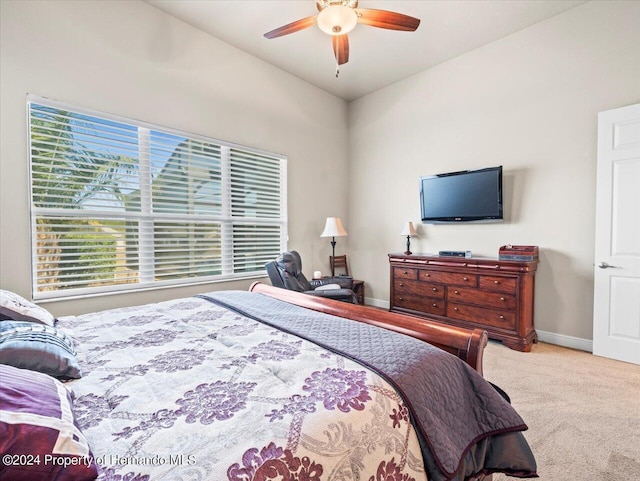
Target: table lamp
x,y
333,228
410,231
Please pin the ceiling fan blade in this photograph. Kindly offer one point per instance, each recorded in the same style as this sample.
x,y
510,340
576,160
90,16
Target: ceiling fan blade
x,y
292,27
387,19
341,48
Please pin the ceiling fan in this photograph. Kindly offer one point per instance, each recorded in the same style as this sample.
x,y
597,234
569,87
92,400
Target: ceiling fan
x,y
339,17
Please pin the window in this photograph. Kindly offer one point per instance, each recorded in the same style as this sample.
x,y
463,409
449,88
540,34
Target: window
x,y
117,204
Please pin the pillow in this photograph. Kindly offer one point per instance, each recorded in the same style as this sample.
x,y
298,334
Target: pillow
x,y
39,437
40,348
15,307
328,287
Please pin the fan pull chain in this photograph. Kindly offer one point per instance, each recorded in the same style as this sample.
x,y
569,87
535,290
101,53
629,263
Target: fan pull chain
x,y
337,70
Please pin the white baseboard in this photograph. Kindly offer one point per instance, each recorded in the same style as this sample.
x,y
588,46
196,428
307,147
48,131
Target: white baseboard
x,y
565,341
369,301
544,336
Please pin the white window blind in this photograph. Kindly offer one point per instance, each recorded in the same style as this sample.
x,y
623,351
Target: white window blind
x,y
118,204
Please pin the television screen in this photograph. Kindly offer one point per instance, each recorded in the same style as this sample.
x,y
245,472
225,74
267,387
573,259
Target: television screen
x,y
466,196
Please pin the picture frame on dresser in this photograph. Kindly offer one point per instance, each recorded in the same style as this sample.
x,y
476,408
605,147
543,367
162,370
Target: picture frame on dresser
x,y
478,292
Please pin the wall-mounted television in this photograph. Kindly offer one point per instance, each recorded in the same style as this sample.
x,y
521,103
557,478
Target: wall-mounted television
x,y
465,196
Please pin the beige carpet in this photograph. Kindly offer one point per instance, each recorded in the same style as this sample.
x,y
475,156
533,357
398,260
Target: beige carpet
x,y
583,411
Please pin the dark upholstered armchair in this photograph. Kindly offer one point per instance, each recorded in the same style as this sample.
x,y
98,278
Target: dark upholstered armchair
x,y
286,272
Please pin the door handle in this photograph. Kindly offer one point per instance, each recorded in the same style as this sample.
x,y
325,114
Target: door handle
x,y
604,265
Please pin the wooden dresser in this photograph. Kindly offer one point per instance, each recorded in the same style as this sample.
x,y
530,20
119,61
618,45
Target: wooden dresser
x,y
471,292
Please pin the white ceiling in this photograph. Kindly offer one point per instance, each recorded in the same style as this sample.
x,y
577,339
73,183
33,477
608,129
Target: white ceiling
x,y
377,57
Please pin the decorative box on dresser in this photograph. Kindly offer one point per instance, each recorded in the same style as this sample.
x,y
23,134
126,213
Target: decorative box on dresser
x,y
490,294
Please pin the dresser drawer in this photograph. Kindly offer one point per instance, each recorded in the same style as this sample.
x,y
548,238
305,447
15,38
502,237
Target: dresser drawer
x,y
449,278
499,283
496,300
406,288
427,305
405,273
502,319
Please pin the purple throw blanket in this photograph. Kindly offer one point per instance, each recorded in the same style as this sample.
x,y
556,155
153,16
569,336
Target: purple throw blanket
x,y
452,406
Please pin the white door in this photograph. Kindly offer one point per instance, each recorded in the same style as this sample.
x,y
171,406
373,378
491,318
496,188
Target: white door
x,y
616,310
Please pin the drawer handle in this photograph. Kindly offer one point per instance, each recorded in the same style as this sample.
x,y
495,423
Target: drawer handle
x,y
427,275
496,282
401,298
401,284
465,278
405,272
455,308
435,305
456,292
501,317
435,289
502,299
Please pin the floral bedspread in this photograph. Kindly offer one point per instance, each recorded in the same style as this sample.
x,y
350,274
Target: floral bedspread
x,y
187,390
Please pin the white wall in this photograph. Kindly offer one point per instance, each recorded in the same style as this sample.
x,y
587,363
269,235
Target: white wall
x,y
528,102
131,59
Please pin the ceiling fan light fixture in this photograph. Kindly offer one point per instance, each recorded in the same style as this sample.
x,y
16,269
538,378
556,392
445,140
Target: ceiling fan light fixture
x,y
337,20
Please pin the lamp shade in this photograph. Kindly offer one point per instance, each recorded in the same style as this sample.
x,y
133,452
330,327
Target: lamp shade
x,y
409,230
333,228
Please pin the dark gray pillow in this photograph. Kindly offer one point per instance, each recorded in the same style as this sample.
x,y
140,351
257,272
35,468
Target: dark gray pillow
x,y
37,347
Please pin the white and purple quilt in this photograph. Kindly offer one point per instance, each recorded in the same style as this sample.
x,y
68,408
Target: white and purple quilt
x,y
188,390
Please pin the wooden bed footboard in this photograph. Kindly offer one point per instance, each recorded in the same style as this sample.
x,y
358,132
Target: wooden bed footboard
x,y
467,344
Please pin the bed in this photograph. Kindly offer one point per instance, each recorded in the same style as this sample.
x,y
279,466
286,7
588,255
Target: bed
x,y
267,385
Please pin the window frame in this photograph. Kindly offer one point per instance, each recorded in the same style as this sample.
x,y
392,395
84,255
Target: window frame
x,y
226,219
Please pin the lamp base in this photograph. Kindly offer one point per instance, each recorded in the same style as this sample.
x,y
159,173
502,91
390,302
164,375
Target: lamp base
x,y
407,253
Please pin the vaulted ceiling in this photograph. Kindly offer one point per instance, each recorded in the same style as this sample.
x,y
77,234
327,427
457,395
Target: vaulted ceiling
x,y
378,57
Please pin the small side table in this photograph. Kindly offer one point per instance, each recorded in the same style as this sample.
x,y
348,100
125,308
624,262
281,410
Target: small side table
x,y
358,289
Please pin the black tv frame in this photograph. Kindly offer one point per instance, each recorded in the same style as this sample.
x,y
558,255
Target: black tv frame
x,y
496,215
